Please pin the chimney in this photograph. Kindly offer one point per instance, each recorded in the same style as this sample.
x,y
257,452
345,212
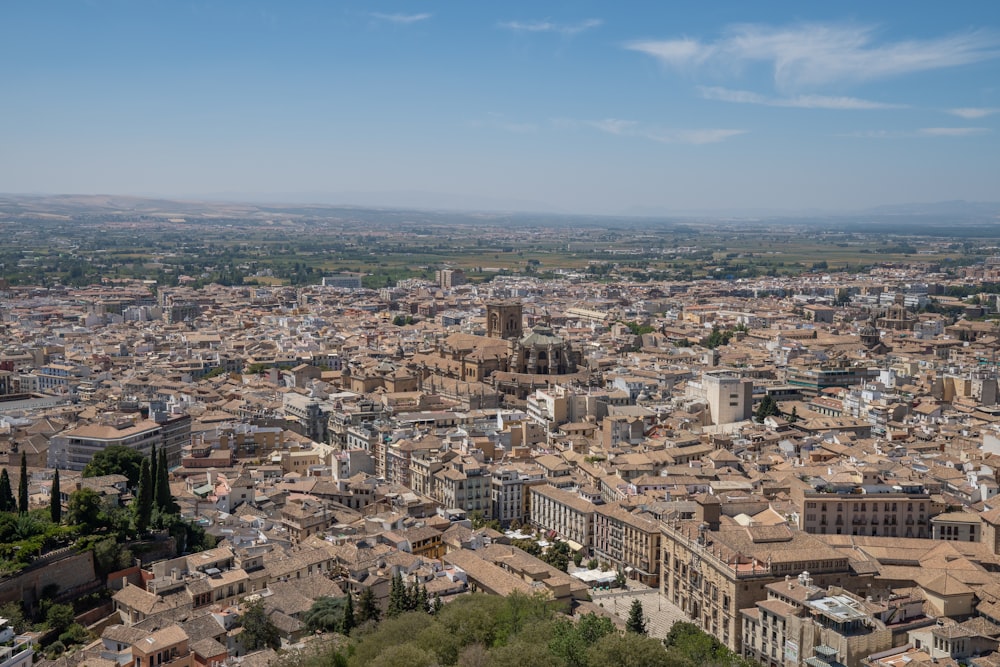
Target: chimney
x,y
124,583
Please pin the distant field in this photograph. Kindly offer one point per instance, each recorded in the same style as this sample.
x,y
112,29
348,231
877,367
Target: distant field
x,y
232,244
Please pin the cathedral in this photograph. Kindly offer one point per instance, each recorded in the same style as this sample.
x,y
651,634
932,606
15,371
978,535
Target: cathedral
x,y
513,361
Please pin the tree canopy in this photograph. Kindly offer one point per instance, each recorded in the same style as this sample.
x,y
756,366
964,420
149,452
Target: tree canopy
x,y
115,460
768,407
84,509
258,630
513,631
325,615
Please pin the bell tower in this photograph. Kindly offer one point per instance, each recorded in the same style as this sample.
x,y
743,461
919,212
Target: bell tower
x,y
503,320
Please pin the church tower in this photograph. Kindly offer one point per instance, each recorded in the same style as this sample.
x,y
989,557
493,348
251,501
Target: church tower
x,y
503,320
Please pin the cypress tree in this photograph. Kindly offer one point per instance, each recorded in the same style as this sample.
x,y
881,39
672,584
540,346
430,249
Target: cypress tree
x,y
55,505
164,501
423,602
153,470
437,604
397,596
347,624
412,596
22,486
369,610
636,618
144,499
7,502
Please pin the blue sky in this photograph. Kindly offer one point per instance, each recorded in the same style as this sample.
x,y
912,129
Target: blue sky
x,y
629,107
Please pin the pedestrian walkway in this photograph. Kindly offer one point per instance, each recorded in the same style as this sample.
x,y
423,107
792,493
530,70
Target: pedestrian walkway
x,y
661,614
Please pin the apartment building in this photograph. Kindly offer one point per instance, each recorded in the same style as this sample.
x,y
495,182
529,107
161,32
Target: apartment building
x,y
628,541
464,484
508,494
713,571
562,512
799,619
872,509
72,449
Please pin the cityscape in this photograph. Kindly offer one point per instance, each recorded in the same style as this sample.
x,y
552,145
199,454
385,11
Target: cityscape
x,y
384,335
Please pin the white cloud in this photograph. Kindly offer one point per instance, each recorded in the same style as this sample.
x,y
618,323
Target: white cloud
x,y
872,134
972,113
548,26
614,125
952,131
676,52
798,101
814,54
924,132
710,136
631,128
400,18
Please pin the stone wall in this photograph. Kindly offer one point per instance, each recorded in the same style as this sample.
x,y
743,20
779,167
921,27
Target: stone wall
x,y
74,570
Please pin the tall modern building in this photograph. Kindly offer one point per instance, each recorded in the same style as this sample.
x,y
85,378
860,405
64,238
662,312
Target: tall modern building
x,y
729,396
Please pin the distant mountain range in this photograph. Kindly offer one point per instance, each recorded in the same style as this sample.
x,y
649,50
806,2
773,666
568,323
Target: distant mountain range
x,y
69,207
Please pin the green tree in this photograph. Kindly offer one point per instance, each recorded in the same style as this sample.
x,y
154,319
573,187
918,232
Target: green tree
x,y
164,500
55,504
14,613
421,601
258,630
528,546
153,462
629,650
27,526
717,338
388,637
571,642
109,556
794,416
154,471
59,617
325,615
144,499
406,655
768,407
557,555
636,618
693,647
84,510
479,520
347,621
22,486
368,609
116,460
397,596
7,502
